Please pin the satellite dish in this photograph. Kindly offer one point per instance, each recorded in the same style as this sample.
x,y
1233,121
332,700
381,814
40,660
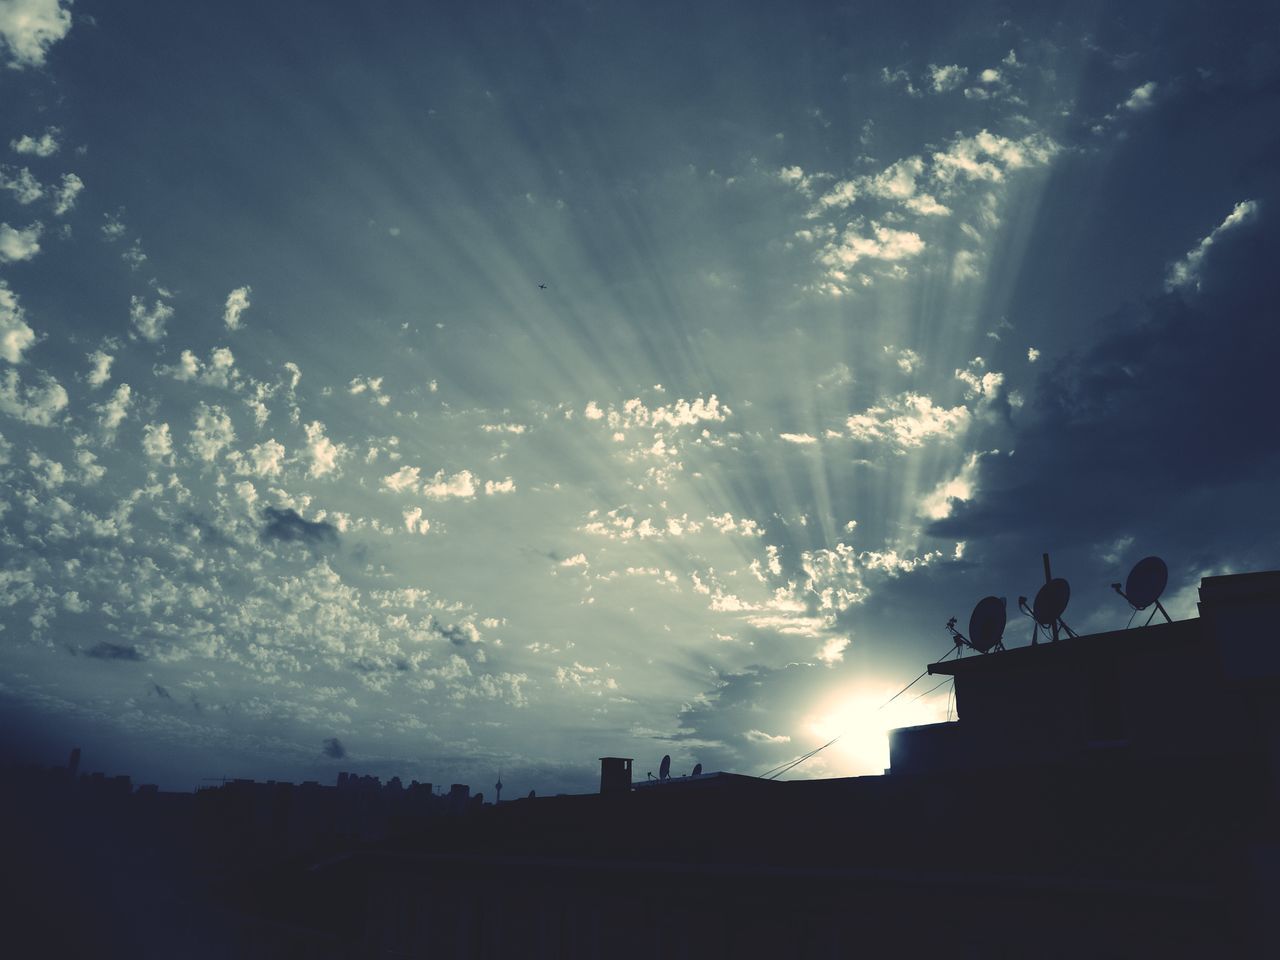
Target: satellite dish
x,y
697,769
986,624
1146,582
1051,601
664,771
533,794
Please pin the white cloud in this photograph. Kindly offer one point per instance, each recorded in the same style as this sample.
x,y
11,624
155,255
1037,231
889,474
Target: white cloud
x,y
492,487
149,324
406,478
218,371
212,433
908,360
946,78
267,458
36,405
28,28
759,736
237,304
990,75
157,442
907,421
798,438
577,560
45,145
15,334
1185,273
979,381
1032,354
64,199
440,487
796,177
415,522
516,428
832,651
1142,98
988,156
885,243
370,385
938,503
112,412
19,244
324,453
22,184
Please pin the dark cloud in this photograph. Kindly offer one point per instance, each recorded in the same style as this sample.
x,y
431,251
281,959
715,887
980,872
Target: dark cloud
x,y
105,650
456,634
333,748
160,691
1161,430
288,526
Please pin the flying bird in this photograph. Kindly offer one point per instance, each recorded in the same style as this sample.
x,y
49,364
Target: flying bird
x,y
542,286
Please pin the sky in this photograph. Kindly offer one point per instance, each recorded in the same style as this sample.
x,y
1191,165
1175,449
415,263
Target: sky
x,y
433,390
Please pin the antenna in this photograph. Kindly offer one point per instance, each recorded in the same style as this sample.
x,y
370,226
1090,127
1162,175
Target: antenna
x,y
1051,600
664,771
986,626
498,788
1144,585
697,770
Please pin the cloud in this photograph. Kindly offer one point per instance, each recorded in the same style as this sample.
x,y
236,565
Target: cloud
x,y
988,156
333,748
1184,274
440,487
37,405
267,458
884,243
324,453
908,420
99,368
218,371
759,736
415,522
237,304
212,433
1142,98
45,145
105,650
941,500
406,478
28,28
1151,430
19,244
16,335
112,412
67,193
157,442
287,526
23,185
494,487
1032,354
149,324
946,78
798,438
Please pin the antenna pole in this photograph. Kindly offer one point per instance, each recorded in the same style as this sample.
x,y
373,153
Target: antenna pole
x,y
1167,618
1047,577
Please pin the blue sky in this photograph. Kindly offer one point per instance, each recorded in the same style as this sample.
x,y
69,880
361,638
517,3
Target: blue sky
x,y
850,313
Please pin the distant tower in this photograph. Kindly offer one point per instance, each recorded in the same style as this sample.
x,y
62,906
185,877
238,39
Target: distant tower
x,y
73,764
498,788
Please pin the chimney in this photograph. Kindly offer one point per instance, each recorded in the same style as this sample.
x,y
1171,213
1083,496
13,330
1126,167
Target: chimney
x,y
615,775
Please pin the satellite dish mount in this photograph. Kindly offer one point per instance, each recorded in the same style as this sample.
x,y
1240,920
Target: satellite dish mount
x,y
986,627
1047,609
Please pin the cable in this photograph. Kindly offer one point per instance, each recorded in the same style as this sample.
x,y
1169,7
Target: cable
x,y
930,690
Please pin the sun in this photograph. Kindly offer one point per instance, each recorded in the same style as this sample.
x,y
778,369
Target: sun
x,y
859,717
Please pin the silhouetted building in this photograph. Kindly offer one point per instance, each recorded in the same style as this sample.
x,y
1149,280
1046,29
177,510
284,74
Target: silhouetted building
x,y
1105,795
